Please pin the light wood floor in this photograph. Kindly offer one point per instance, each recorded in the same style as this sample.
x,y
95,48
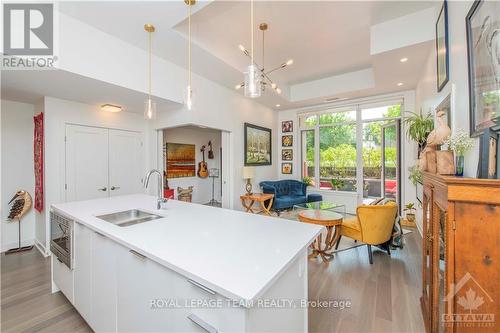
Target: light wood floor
x,y
384,296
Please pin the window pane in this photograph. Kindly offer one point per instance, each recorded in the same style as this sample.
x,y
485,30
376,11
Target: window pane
x,y
308,154
337,117
372,160
386,111
338,157
306,121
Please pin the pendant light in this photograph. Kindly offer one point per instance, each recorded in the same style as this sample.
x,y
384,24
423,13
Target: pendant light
x,y
188,94
252,75
150,105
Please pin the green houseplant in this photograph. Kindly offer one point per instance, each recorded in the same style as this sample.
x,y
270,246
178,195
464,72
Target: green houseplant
x,y
410,211
418,127
415,175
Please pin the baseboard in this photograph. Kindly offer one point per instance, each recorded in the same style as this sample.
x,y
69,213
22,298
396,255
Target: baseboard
x,y
8,246
41,249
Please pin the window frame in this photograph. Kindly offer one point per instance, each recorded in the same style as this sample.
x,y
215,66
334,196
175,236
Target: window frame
x,y
358,106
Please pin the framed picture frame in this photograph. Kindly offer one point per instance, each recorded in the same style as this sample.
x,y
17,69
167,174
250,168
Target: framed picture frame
x,y
483,37
287,126
257,145
489,154
287,154
286,168
442,54
287,141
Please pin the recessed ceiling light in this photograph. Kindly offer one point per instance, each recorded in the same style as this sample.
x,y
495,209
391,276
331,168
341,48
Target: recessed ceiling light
x,y
278,105
403,59
400,84
111,108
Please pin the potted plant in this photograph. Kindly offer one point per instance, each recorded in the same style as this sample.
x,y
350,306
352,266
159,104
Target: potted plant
x,y
415,175
418,127
410,212
460,143
309,181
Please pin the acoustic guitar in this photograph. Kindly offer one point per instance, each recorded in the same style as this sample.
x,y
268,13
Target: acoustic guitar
x,y
202,166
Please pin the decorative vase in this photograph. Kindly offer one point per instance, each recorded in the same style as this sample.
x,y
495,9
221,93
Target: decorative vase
x,y
459,165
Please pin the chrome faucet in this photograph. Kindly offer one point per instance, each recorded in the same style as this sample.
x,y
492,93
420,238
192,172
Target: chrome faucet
x,y
161,198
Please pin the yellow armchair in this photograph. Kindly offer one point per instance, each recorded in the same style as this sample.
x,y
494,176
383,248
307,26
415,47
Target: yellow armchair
x,y
372,225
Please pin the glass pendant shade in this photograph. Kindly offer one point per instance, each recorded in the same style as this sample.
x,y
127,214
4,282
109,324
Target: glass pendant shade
x,y
188,98
149,109
252,82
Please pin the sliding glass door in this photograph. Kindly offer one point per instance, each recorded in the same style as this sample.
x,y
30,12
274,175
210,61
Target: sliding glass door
x,y
391,161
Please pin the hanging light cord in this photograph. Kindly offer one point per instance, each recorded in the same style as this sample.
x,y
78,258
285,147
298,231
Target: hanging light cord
x,y
189,47
251,25
149,65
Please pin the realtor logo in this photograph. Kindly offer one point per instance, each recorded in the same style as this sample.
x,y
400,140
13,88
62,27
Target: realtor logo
x,y
28,29
471,299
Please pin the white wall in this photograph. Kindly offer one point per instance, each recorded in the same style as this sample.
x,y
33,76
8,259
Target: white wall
x,y
221,108
17,169
58,113
427,97
202,192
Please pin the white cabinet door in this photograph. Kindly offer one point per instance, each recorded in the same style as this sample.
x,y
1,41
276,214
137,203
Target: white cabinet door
x,y
82,270
143,289
86,163
126,162
104,284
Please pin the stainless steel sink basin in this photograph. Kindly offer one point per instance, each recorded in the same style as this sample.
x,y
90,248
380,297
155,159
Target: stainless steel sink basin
x,y
129,217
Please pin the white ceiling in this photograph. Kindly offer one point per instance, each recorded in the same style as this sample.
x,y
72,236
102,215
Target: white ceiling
x,y
324,38
31,86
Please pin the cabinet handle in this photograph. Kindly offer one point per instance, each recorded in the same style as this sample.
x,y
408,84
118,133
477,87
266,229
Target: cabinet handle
x,y
102,189
115,188
199,285
202,324
137,254
98,233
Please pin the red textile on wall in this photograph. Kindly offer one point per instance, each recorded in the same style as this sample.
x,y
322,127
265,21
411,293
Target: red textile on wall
x,y
38,161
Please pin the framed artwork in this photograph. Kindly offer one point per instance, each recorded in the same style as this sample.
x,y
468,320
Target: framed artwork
x,y
258,147
442,56
181,160
287,141
483,51
287,154
287,126
286,168
489,154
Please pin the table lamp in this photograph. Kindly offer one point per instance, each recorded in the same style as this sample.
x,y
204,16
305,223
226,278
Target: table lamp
x,y
248,175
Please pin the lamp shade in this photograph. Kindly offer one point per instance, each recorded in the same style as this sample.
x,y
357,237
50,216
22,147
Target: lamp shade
x,y
247,172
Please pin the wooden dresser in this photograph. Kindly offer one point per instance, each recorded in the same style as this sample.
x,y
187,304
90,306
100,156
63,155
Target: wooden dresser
x,y
461,254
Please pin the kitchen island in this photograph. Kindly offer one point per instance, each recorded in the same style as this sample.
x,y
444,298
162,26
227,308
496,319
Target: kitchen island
x,y
192,269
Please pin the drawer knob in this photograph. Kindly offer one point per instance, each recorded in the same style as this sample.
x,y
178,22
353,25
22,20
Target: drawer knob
x,y
487,260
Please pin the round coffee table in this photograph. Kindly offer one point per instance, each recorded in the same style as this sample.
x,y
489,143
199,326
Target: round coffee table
x,y
328,219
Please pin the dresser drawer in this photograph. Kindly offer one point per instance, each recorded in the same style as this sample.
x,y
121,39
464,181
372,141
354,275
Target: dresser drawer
x,y
203,310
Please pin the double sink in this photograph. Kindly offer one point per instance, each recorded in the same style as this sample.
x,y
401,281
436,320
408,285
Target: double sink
x,y
129,217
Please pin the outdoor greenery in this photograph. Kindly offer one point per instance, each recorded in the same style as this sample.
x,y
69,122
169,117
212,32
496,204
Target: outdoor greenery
x,y
338,146
415,175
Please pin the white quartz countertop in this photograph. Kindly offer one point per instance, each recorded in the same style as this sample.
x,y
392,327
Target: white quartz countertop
x,y
236,254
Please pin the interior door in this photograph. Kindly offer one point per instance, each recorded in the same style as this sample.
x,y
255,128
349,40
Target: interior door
x,y
86,163
391,174
126,162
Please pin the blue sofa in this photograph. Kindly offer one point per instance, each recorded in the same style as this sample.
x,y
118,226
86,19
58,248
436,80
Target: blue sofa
x,y
287,193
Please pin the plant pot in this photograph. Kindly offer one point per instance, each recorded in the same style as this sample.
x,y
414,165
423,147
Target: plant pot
x,y
459,166
410,217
